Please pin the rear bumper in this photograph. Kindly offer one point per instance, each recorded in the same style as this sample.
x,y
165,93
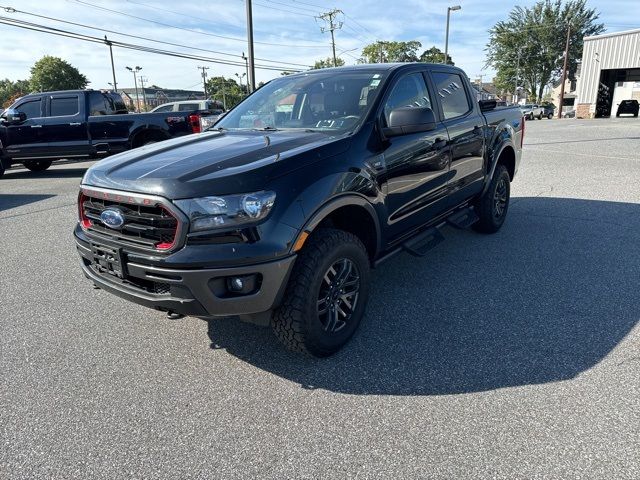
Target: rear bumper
x,y
197,292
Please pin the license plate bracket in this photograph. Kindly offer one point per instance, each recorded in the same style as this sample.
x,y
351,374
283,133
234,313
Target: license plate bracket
x,y
108,260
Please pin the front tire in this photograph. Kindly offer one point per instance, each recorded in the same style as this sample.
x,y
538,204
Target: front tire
x,y
37,165
492,207
326,295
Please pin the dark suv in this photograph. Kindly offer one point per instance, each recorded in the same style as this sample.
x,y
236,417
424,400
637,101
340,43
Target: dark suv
x,y
628,107
279,214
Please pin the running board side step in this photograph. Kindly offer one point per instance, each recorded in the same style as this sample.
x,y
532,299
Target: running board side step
x,y
420,245
463,219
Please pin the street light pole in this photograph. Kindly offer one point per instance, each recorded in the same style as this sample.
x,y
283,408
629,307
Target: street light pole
x,y
446,38
135,70
246,64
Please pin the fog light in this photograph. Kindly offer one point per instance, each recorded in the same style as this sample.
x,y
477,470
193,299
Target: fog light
x,y
236,284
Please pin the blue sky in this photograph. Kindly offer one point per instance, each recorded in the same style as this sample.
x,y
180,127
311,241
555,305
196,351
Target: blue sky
x,y
288,26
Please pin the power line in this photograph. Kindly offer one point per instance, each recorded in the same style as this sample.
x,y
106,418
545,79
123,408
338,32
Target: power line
x,y
82,25
191,30
80,36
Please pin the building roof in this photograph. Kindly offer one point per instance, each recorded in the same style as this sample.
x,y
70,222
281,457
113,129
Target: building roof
x,y
613,34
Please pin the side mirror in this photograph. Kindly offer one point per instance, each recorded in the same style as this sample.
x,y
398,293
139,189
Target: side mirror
x,y
13,116
406,120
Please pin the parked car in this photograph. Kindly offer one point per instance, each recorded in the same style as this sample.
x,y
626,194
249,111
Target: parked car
x,y
278,215
531,111
569,114
548,110
203,106
42,127
628,107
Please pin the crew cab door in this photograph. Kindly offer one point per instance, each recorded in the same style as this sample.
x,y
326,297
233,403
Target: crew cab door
x,y
466,127
416,163
65,128
24,139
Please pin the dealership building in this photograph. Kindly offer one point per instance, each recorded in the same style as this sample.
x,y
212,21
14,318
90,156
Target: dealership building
x,y
610,73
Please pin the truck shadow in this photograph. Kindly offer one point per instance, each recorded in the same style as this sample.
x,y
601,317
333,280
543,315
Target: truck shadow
x,y
8,201
68,172
544,300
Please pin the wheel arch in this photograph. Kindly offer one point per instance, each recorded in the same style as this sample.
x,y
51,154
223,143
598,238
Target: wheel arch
x,y
351,213
144,134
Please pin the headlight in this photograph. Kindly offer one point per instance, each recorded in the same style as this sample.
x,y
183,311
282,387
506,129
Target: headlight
x,y
229,211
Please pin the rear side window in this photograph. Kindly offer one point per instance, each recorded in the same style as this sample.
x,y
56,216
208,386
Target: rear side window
x,y
165,108
64,106
31,108
98,104
410,91
188,107
452,94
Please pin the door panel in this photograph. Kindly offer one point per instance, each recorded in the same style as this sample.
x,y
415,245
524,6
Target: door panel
x,y
416,164
25,139
66,127
466,128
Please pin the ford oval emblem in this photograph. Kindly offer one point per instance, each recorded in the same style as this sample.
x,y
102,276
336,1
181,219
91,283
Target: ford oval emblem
x,y
112,218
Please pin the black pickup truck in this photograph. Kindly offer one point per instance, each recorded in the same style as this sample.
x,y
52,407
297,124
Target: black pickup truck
x,y
43,127
278,215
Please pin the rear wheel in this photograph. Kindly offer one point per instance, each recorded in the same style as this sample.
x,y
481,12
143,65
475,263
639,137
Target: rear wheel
x,y
326,295
550,116
492,207
540,116
3,166
37,165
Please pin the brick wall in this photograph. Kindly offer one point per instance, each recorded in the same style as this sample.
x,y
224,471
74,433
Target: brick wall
x,y
582,111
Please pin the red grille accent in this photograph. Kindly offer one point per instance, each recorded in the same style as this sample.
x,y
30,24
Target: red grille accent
x,y
147,224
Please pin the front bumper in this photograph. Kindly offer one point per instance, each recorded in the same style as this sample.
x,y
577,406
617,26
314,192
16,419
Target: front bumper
x,y
196,292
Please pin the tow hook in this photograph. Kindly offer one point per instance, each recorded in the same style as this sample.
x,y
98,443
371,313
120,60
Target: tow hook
x,y
174,316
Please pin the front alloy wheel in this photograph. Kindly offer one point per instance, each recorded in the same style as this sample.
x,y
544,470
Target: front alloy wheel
x,y
338,295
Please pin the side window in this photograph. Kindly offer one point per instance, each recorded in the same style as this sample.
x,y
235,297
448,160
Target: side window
x,y
97,104
64,106
410,91
31,108
165,108
452,94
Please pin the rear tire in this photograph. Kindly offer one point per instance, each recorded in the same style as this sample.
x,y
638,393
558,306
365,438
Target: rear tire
x,y
3,166
37,165
492,207
326,295
539,116
550,116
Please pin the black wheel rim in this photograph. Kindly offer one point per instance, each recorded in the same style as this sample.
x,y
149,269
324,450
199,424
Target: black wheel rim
x,y
338,296
500,199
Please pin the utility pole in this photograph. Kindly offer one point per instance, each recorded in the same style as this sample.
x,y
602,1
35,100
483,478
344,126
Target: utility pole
x,y
564,71
204,79
144,94
113,68
135,70
246,64
330,18
381,44
224,95
251,69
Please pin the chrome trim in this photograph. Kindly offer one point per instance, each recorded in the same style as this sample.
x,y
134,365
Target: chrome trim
x,y
145,200
55,157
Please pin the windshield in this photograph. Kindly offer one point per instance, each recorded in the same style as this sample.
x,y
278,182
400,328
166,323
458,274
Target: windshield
x,y
331,101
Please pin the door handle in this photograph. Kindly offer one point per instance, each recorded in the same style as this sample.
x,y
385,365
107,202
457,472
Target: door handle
x,y
440,143
75,124
36,126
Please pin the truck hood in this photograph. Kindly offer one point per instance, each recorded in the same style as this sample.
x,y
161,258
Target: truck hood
x,y
215,162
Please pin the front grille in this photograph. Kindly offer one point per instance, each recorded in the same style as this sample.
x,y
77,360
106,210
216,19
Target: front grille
x,y
149,226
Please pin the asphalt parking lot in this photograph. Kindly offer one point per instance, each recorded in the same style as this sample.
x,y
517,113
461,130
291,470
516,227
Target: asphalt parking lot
x,y
515,355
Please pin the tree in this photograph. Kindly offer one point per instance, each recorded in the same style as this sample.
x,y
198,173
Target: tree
x,y
10,91
327,63
225,90
528,47
383,52
435,55
53,73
